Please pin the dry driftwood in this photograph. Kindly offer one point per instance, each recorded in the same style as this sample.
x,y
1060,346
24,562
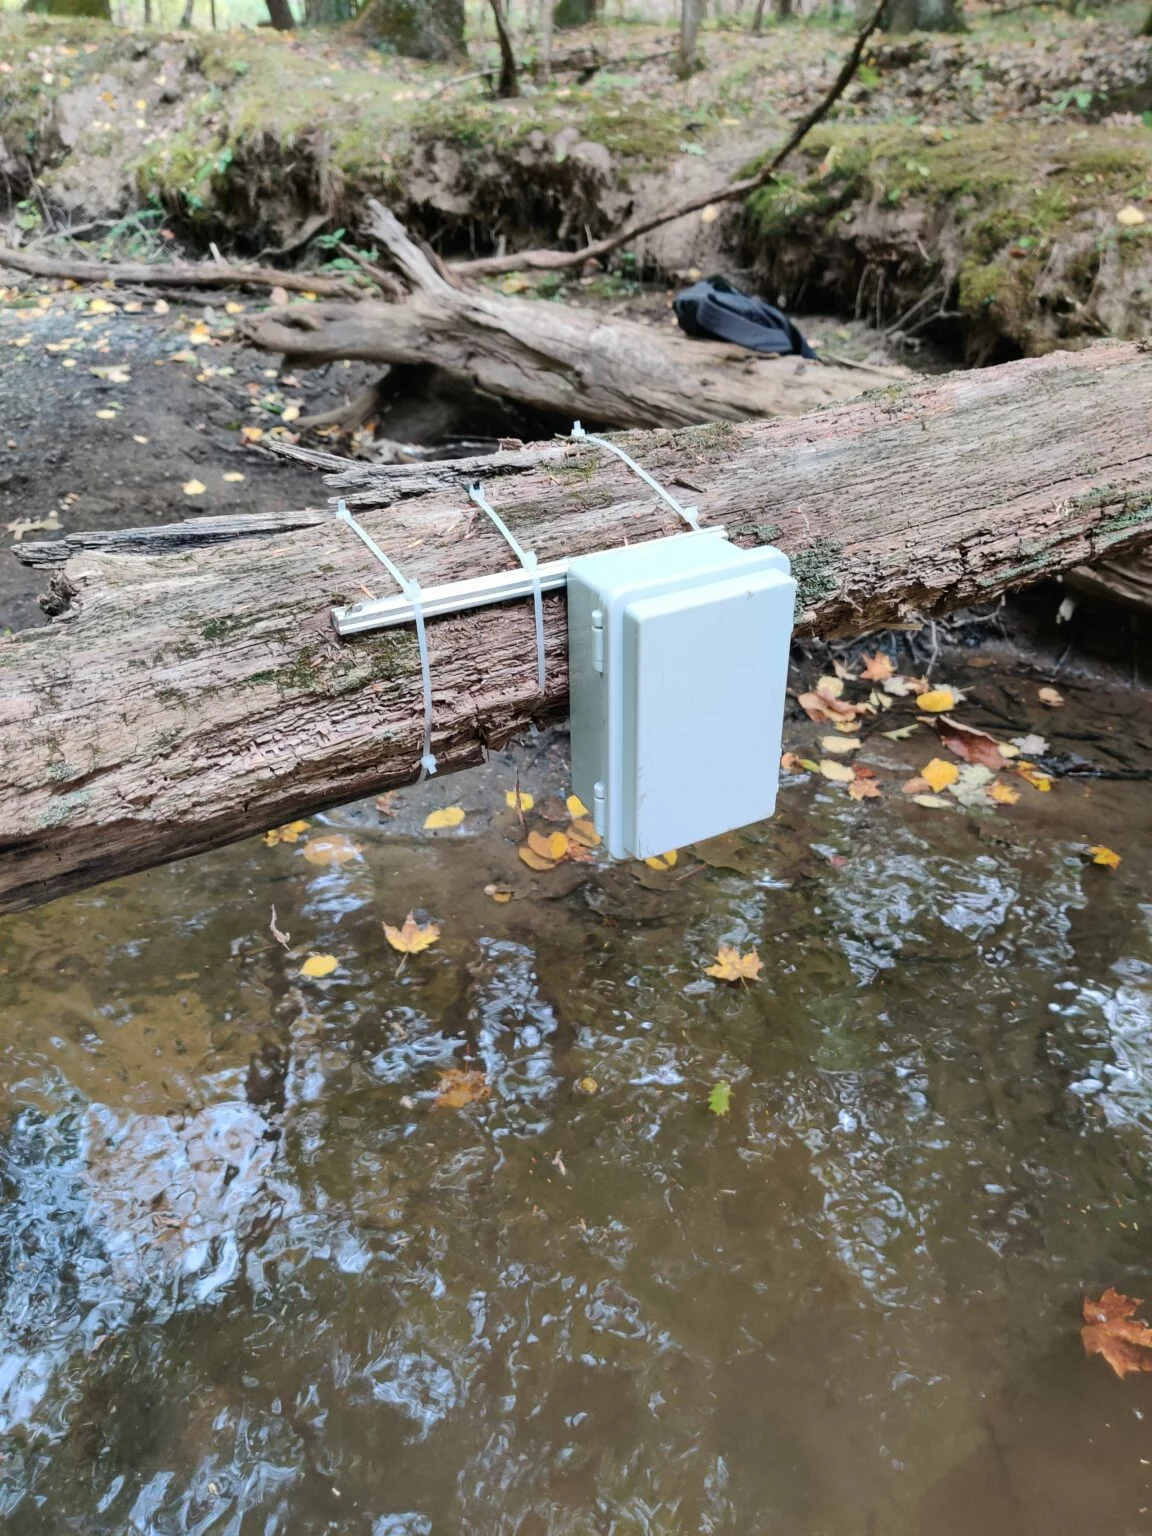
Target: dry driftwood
x,y
554,357
193,692
176,274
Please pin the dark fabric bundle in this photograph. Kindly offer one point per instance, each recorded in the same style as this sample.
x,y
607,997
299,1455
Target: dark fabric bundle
x,y
714,308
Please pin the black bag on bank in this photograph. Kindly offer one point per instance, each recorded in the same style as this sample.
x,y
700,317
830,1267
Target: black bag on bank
x,y
714,308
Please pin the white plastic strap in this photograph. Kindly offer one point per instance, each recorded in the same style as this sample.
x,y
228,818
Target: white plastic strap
x,y
690,515
527,559
411,590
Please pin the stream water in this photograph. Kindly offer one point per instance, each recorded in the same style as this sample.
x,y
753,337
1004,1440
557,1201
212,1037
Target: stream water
x,y
254,1280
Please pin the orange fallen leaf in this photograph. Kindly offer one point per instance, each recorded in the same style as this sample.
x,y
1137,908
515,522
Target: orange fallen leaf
x,y
460,1086
864,789
1051,697
936,701
1105,856
1112,1330
552,845
583,832
732,966
938,774
534,860
1033,776
971,745
876,668
1003,794
333,849
286,834
576,806
412,937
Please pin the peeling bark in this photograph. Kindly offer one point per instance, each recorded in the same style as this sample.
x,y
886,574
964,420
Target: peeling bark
x,y
192,691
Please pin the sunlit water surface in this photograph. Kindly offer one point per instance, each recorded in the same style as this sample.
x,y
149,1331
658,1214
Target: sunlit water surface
x,y
255,1281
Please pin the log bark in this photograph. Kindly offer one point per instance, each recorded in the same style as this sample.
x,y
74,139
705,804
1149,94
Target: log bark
x,y
554,357
192,691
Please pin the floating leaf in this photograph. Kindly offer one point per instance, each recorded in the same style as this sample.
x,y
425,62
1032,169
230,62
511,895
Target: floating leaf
x,y
412,937
446,816
519,799
939,775
460,1086
588,1085
251,434
499,893
233,477
972,745
930,802
584,833
720,1098
877,668
822,709
1050,696
335,848
576,806
534,860
937,701
551,845
864,789
317,966
1030,746
839,773
731,965
840,743
193,487
1105,856
1112,1330
662,860
111,416
915,786
286,834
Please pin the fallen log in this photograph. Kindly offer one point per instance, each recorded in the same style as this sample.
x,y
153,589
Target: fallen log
x,y
569,361
175,274
193,692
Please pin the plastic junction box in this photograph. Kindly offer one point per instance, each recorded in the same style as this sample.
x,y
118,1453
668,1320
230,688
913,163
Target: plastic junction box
x,y
678,663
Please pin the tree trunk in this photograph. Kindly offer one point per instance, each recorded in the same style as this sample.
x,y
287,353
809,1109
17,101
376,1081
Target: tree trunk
x,y
544,42
552,357
758,16
280,15
925,16
574,13
186,18
418,29
509,84
783,10
689,26
192,691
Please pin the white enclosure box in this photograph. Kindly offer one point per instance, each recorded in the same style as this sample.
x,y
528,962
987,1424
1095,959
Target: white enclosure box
x,y
678,662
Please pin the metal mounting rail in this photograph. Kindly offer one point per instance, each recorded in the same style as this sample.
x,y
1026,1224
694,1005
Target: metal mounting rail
x,y
470,592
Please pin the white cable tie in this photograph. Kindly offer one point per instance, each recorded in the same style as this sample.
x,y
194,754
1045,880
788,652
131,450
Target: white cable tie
x,y
411,590
691,515
527,559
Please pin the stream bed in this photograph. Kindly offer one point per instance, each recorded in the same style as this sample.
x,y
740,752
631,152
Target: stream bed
x,y
255,1279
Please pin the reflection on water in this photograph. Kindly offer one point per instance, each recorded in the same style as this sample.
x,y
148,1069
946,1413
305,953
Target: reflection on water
x,y
254,1280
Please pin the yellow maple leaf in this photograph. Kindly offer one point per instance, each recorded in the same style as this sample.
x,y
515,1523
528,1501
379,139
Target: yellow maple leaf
x,y
193,487
1105,856
519,799
936,701
286,834
412,937
576,806
662,860
839,773
939,774
1033,776
446,816
731,965
317,966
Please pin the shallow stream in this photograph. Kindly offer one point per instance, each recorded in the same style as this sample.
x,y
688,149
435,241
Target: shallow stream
x,y
254,1280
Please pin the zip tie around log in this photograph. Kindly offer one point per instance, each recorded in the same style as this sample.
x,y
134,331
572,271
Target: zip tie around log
x,y
527,559
411,590
690,515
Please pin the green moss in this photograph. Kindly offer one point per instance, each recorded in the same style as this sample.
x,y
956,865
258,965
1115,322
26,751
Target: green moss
x,y
817,572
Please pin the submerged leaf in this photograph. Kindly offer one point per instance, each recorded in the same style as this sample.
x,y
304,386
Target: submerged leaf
x,y
460,1086
286,834
720,1098
1112,1330
499,893
839,773
446,816
412,937
583,832
317,966
1003,794
332,849
731,965
1104,856
840,744
519,799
